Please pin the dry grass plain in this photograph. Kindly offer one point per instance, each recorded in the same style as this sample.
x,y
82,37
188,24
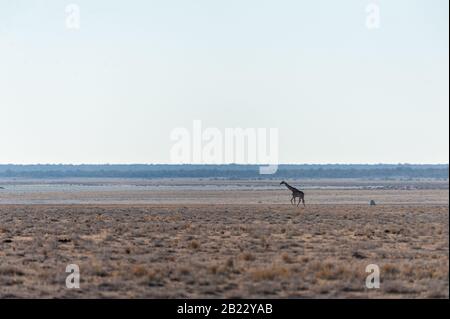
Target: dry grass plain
x,y
230,250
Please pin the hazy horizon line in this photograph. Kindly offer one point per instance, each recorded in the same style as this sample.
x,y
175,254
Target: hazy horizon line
x,y
222,164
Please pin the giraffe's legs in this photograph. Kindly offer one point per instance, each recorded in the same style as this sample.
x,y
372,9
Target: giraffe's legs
x,y
299,200
293,199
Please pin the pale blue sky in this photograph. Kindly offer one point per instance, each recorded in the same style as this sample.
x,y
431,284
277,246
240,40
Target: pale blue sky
x,y
113,91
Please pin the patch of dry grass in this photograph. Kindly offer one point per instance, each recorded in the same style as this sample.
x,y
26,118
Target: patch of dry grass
x,y
254,251
269,273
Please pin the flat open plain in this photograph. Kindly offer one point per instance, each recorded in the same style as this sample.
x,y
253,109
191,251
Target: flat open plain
x,y
186,241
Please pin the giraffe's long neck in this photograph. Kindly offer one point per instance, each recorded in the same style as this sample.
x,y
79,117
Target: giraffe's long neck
x,y
290,187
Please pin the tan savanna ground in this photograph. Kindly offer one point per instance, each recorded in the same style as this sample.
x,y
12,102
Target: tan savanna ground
x,y
220,247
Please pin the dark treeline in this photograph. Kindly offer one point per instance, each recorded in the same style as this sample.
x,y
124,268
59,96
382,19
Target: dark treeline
x,y
225,171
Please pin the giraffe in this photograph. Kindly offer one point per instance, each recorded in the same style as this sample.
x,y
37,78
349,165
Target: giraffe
x,y
295,193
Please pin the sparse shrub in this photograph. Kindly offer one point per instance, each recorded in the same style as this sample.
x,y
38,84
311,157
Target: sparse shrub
x,y
248,257
184,271
98,270
389,269
229,263
194,244
269,273
11,271
358,255
329,271
64,240
153,276
213,269
286,258
304,259
396,288
139,271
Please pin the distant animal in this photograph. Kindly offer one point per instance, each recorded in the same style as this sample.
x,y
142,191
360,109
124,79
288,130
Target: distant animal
x,y
295,193
372,203
2,187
